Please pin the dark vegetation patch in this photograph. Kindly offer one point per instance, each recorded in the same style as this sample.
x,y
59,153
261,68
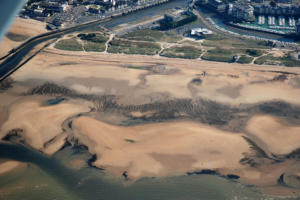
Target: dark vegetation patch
x,y
92,160
135,67
257,156
295,154
68,63
196,81
280,180
205,111
243,59
50,89
281,77
125,175
215,173
129,140
232,176
255,52
15,136
6,84
16,37
93,37
280,109
204,171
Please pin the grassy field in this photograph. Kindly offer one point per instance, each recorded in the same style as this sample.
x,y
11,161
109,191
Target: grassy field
x,y
216,40
244,59
188,52
286,60
93,37
255,52
94,41
96,47
219,55
152,36
69,45
133,47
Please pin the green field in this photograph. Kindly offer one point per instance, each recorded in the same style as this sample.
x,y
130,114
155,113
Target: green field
x,y
93,41
244,59
96,47
69,45
217,40
151,36
219,55
188,52
133,47
286,60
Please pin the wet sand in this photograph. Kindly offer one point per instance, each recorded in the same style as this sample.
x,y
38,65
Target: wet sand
x,y
8,166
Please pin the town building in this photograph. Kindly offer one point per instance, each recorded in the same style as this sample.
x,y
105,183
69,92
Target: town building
x,y
218,5
242,12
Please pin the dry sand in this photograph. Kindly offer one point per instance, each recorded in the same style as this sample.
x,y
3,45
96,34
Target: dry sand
x,y
169,148
41,124
98,73
276,135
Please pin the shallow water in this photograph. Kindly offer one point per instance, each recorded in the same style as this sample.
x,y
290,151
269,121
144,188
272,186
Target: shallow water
x,y
53,178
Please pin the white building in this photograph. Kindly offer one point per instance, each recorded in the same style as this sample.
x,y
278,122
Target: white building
x,y
200,32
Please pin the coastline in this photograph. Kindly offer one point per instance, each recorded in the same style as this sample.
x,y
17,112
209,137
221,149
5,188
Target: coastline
x,y
134,120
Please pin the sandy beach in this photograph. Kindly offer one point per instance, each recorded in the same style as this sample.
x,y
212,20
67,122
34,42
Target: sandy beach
x,y
161,117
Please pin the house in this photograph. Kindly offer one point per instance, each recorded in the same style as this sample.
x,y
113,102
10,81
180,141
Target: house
x,y
200,32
